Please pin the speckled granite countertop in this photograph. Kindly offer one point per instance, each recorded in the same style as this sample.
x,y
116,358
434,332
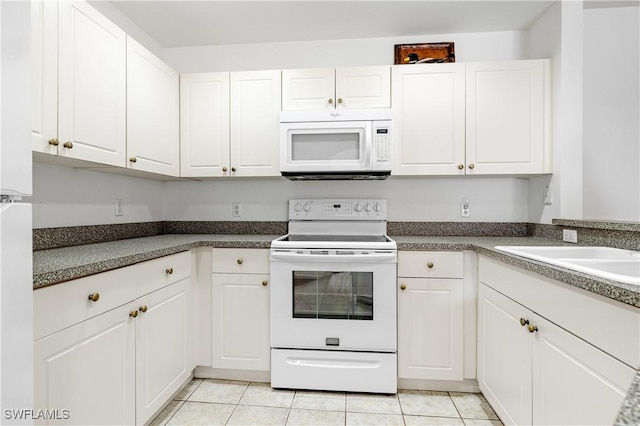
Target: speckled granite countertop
x,y
629,414
63,264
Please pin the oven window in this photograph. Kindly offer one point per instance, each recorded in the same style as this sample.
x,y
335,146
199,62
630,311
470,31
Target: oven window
x,y
333,295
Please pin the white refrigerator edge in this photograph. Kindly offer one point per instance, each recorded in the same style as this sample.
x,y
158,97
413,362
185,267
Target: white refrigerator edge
x,y
16,279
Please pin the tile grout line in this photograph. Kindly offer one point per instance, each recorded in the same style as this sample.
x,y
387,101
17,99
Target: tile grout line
x,y
235,407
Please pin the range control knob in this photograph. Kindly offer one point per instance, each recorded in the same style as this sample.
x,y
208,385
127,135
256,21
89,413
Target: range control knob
x,y
367,207
306,207
377,207
357,207
297,207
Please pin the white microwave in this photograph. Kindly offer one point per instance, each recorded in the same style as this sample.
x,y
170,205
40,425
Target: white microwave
x,y
345,144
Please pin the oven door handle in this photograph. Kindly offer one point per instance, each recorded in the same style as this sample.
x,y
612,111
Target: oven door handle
x,y
358,257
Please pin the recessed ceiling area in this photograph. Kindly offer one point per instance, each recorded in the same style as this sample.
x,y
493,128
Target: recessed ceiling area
x,y
201,23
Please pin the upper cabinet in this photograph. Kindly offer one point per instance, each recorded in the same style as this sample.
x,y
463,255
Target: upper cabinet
x,y
508,117
486,118
229,124
329,88
152,113
204,124
89,102
44,76
255,123
428,119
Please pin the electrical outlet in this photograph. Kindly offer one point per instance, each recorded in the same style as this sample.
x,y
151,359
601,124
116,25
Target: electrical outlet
x,y
117,208
236,209
548,195
465,210
570,235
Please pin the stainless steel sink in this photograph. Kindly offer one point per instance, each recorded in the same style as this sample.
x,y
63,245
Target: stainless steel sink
x,y
606,262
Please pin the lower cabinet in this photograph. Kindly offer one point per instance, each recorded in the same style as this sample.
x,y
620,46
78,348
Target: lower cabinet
x,y
111,358
163,361
240,309
533,371
89,370
430,315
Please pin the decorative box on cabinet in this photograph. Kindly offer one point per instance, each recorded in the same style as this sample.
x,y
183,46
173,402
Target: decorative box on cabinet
x,y
430,315
240,308
113,348
329,88
542,359
79,83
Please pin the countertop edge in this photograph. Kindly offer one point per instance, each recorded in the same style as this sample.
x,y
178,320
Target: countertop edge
x,y
624,293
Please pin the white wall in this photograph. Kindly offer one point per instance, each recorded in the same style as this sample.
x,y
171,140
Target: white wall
x,y
64,196
612,113
490,46
434,199
544,42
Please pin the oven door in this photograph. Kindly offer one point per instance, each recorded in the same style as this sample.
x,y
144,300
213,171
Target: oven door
x,y
345,300
343,146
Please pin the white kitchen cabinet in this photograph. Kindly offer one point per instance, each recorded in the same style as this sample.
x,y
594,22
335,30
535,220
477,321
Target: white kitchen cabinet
x,y
329,88
229,124
153,140
112,348
551,370
91,86
508,123
44,76
485,118
89,370
430,315
163,361
204,124
240,309
428,119
255,123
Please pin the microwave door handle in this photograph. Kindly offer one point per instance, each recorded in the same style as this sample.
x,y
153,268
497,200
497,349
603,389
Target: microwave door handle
x,y
368,146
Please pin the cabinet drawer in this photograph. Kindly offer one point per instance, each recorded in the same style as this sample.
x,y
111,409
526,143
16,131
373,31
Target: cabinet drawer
x,y
60,306
158,273
430,264
605,323
235,261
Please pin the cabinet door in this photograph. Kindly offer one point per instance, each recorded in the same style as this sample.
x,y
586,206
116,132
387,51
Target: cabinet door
x,y
363,87
240,330
428,119
92,85
153,143
204,125
255,123
308,89
573,381
44,76
430,319
88,369
504,356
508,117
162,347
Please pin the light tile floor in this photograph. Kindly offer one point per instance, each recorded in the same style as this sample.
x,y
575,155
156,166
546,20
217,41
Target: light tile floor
x,y
220,402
